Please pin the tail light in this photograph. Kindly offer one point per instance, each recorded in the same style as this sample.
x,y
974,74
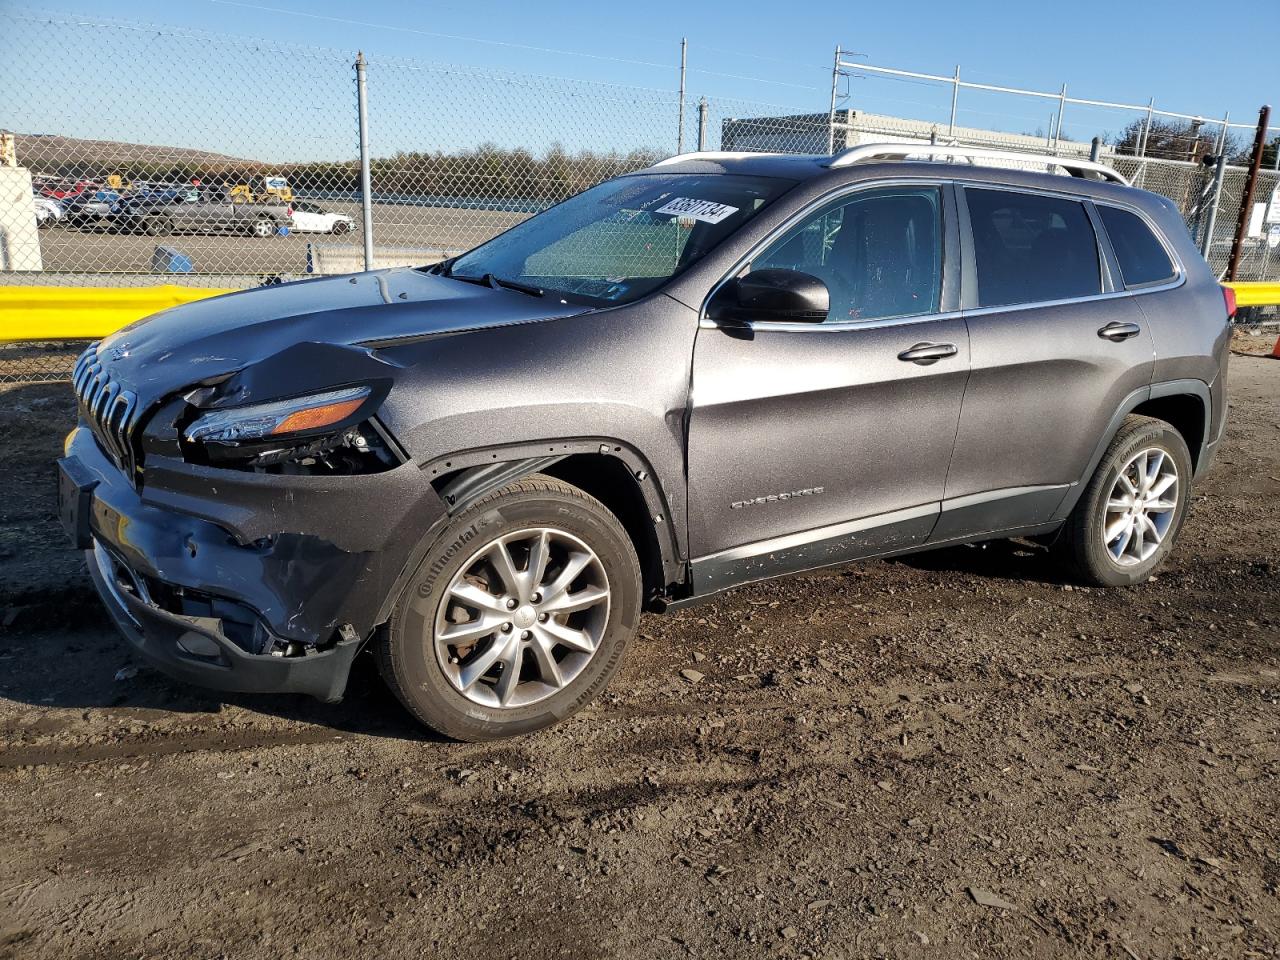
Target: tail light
x,y
1229,296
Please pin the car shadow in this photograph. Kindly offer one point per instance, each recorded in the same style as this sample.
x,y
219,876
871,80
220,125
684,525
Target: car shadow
x,y
74,664
1016,560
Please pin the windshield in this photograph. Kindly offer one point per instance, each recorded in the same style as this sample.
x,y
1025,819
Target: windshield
x,y
623,238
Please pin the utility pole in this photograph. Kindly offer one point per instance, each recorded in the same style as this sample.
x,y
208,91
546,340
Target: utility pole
x,y
684,54
831,117
1250,185
366,188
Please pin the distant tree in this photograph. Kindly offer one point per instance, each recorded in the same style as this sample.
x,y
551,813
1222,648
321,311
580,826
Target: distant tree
x,y
1173,139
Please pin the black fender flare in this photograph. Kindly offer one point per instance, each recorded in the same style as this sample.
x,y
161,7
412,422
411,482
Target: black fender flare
x,y
476,473
1154,391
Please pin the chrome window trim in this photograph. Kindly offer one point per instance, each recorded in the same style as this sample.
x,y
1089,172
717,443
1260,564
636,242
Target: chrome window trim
x,y
1179,278
834,194
838,326
1176,281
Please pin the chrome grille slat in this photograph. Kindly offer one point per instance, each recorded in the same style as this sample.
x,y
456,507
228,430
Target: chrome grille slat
x,y
111,411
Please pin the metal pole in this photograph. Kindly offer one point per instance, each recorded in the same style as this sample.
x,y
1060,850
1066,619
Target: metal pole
x,y
1146,129
1246,201
1095,149
366,188
831,117
1215,198
955,96
684,54
1057,130
1222,137
702,124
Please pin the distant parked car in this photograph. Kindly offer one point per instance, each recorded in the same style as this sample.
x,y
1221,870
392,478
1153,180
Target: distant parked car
x,y
91,208
310,218
198,210
48,212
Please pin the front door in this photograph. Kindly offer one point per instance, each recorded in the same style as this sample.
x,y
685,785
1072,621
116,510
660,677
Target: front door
x,y
812,443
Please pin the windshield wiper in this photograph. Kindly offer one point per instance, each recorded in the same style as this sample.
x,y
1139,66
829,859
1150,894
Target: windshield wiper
x,y
489,280
515,285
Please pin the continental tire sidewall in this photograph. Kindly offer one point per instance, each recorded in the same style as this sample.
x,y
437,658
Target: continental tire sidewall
x,y
1095,558
422,685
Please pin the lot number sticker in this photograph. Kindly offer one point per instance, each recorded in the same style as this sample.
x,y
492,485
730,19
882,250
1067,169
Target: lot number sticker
x,y
707,211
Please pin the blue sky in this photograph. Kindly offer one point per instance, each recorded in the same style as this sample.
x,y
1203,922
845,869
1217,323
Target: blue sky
x,y
1180,52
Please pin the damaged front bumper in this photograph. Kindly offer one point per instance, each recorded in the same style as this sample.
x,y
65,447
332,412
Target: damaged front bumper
x,y
240,581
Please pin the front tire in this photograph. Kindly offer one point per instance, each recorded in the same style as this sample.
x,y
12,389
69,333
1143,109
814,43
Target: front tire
x,y
340,227
264,227
518,616
1129,516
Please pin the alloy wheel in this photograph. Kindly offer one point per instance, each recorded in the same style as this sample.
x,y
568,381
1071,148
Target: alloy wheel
x,y
522,617
1140,507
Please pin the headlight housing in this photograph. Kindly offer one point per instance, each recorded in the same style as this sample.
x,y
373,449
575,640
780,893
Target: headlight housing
x,y
261,421
332,432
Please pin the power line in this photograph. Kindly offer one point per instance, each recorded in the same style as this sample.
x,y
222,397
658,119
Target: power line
x,y
441,36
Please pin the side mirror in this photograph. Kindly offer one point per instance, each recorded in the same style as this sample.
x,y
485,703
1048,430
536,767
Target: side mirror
x,y
780,296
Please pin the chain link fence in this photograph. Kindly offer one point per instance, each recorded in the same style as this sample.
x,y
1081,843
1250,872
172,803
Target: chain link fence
x,y
143,155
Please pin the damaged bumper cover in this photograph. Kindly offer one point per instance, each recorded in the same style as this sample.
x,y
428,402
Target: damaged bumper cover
x,y
240,581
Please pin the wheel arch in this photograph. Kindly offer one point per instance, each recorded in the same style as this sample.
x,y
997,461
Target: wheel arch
x,y
611,470
1184,404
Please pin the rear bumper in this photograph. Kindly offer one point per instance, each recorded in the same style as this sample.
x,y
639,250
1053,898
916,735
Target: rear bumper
x,y
243,582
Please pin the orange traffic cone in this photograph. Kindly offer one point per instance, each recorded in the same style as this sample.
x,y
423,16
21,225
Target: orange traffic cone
x,y
1275,351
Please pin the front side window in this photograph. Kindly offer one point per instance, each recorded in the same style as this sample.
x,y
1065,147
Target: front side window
x,y
1031,248
879,253
1141,256
623,238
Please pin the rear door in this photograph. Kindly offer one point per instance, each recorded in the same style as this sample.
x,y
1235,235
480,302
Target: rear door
x,y
1056,345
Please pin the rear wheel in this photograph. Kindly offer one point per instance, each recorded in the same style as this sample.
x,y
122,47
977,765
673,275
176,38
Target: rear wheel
x,y
340,226
158,226
264,227
1129,515
518,616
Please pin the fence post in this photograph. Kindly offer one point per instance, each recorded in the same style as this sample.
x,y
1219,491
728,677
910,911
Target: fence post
x,y
955,96
1215,199
1057,130
1095,149
702,124
831,117
1246,201
684,54
366,189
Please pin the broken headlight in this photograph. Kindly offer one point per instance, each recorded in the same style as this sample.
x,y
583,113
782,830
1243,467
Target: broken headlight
x,y
325,433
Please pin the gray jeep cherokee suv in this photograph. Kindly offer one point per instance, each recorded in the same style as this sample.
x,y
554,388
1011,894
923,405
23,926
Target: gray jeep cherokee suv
x,y
716,370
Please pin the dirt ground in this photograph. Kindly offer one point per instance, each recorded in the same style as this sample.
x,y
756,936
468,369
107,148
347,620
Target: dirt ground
x,y
954,755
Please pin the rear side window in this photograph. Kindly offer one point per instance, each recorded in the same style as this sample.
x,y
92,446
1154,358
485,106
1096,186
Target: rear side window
x,y
1142,257
1030,248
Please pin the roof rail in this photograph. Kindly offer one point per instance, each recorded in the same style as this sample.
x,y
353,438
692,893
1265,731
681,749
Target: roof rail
x,y
712,155
901,151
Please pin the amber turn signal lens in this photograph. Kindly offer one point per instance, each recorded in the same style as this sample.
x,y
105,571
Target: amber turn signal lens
x,y
314,417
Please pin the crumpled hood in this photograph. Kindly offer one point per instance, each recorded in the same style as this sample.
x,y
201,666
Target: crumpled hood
x,y
208,338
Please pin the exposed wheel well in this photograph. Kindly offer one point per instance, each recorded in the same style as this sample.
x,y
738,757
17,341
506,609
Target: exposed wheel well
x,y
610,481
1185,413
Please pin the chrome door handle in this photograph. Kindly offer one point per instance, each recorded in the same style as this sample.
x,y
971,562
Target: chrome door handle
x,y
927,353
1119,331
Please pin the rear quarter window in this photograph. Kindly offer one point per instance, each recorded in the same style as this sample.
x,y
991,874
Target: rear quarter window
x,y
1142,257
